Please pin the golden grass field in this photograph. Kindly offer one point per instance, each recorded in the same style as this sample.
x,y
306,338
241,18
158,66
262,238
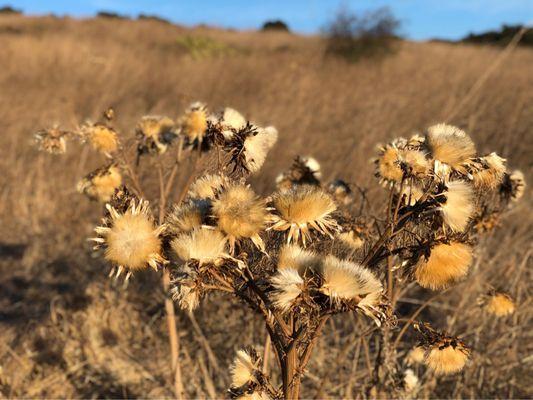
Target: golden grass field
x,y
67,331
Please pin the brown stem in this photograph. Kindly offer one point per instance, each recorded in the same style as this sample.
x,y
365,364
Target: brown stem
x,y
289,374
173,338
173,335
266,353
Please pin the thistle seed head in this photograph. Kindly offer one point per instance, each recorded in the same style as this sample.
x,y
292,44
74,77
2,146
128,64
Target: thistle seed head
x,y
346,280
102,138
202,244
446,264
450,145
101,184
458,207
187,216
301,209
500,304
256,147
240,214
292,256
53,140
131,239
208,186
288,285
489,171
193,124
243,369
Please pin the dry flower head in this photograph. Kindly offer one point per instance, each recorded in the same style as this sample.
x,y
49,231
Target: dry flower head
x,y
458,207
346,280
288,285
447,263
301,209
187,216
101,184
256,147
500,304
131,239
102,138
193,125
450,145
240,214
208,186
202,244
52,140
243,369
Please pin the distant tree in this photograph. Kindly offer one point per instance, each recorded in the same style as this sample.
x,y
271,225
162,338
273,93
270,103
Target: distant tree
x,y
111,15
353,36
9,10
501,37
275,25
153,18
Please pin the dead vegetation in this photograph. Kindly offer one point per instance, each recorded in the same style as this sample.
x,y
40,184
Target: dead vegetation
x,y
68,331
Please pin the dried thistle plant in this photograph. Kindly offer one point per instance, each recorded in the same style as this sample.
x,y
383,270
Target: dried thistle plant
x,y
306,252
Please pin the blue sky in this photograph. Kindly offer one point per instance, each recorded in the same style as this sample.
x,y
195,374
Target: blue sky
x,y
421,19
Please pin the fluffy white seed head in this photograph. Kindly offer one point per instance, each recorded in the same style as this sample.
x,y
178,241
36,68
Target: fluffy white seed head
x,y
231,121
294,257
208,186
450,145
288,285
256,147
447,263
204,245
445,359
242,370
459,206
346,280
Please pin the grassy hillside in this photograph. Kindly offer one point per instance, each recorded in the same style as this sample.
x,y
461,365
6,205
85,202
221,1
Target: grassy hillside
x,y
68,331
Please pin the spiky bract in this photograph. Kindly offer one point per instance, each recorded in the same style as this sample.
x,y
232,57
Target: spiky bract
x,y
303,208
459,205
447,263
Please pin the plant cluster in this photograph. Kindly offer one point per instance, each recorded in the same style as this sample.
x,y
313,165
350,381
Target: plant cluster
x,y
369,35
306,252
